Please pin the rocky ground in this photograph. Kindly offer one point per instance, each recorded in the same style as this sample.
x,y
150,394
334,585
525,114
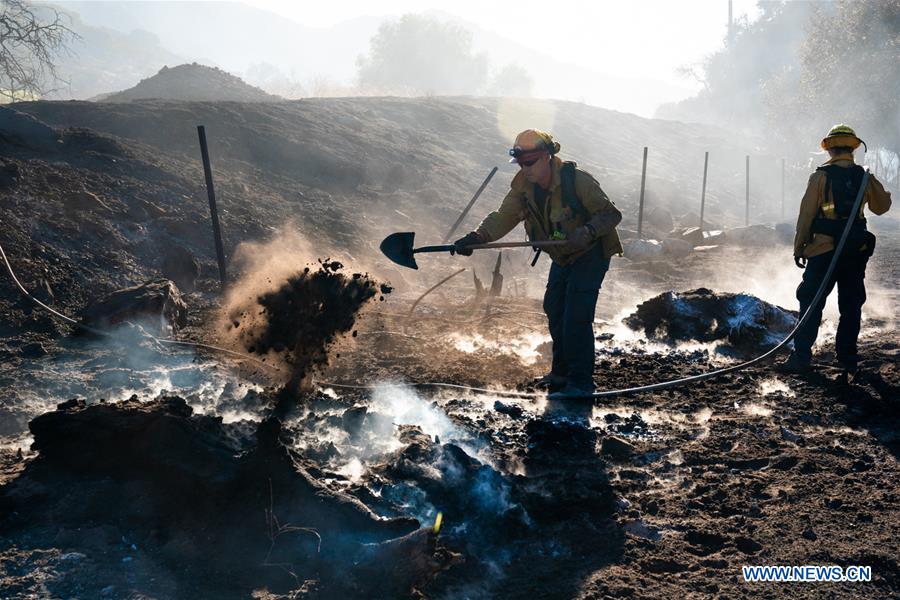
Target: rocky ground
x,y
754,468
193,489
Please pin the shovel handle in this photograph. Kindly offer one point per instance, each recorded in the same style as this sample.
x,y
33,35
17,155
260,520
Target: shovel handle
x,y
534,244
441,248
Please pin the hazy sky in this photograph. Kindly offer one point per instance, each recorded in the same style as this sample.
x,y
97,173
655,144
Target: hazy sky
x,y
637,38
622,55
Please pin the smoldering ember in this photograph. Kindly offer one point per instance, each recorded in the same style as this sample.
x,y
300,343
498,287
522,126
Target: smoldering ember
x,y
448,304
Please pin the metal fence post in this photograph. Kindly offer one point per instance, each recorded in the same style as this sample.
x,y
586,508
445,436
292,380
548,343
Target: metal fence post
x,y
641,204
747,188
469,205
782,188
214,213
703,192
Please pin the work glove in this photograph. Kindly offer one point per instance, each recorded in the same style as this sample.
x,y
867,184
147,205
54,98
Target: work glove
x,y
800,261
460,245
580,239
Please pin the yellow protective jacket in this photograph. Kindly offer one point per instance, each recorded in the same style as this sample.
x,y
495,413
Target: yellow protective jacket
x,y
810,244
519,205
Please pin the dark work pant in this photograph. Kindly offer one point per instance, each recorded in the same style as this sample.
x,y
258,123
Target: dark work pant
x,y
849,275
570,302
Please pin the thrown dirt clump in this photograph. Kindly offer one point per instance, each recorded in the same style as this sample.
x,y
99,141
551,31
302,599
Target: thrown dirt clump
x,y
301,319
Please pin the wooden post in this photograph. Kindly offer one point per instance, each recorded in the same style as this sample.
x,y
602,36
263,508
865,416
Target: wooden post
x,y
703,191
641,204
469,206
214,213
747,189
782,188
497,278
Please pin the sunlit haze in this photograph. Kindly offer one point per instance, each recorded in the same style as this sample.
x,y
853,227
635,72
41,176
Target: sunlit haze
x,y
629,57
646,38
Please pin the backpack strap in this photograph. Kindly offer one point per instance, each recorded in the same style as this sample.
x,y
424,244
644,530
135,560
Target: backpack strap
x,y
540,223
832,205
825,202
569,197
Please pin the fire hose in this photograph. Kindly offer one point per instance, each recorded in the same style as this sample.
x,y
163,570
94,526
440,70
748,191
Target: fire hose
x,y
673,383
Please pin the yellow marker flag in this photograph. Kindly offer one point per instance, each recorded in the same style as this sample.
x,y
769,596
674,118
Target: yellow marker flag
x,y
437,522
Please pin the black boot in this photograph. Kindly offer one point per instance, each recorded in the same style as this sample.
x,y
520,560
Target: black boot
x,y
850,373
794,365
550,382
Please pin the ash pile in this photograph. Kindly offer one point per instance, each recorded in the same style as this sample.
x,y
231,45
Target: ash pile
x,y
747,324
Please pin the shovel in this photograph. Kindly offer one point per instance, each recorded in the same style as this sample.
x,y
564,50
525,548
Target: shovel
x,y
399,247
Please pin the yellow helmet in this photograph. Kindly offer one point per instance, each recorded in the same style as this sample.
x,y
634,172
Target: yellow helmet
x,y
842,136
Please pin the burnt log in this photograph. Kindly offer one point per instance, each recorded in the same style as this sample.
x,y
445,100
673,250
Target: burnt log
x,y
156,303
745,322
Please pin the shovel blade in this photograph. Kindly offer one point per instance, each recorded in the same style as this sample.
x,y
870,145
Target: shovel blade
x,y
399,248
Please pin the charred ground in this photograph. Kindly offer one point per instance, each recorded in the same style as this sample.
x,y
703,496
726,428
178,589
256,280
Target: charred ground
x,y
657,495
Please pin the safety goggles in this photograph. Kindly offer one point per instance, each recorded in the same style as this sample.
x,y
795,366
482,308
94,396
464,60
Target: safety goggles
x,y
526,158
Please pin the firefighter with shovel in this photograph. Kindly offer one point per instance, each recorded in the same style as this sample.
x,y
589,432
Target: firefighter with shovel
x,y
566,213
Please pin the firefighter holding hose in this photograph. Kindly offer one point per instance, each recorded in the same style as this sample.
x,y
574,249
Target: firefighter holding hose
x,y
557,201
824,212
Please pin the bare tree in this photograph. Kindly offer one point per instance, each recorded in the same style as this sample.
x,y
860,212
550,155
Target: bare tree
x,y
29,45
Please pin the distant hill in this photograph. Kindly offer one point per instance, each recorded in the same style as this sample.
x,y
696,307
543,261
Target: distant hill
x,y
236,36
305,53
102,60
193,82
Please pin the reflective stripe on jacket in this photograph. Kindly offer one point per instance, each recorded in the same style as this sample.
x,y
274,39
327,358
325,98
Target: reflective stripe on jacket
x,y
810,244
